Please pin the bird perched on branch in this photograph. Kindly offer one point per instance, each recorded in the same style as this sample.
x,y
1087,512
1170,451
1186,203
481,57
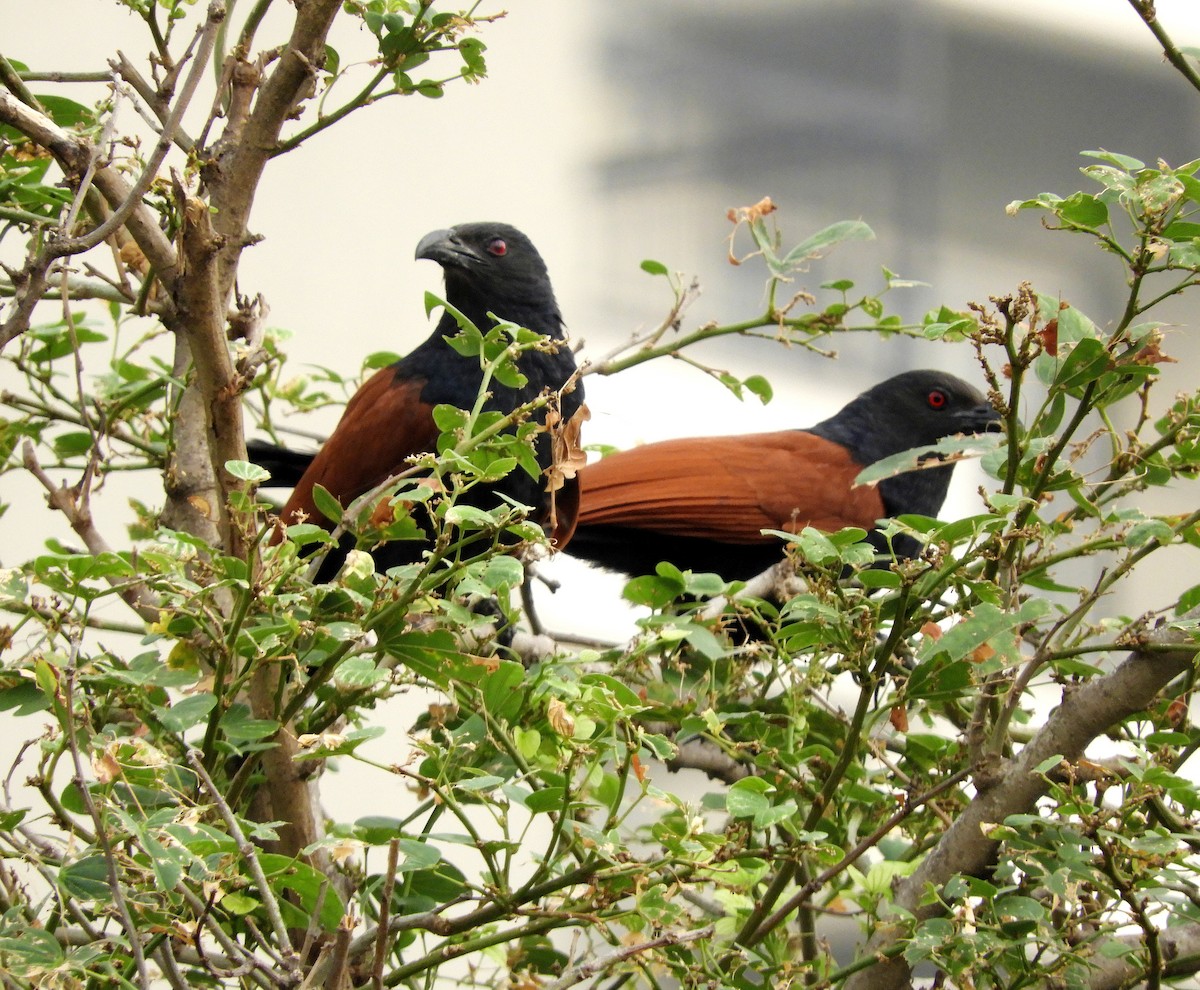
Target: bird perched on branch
x,y
702,503
492,273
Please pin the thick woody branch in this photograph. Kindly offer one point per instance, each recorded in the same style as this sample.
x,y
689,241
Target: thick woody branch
x,y
1180,949
201,320
71,154
235,175
966,848
290,790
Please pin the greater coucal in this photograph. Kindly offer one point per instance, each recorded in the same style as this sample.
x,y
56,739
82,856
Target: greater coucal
x,y
492,272
702,503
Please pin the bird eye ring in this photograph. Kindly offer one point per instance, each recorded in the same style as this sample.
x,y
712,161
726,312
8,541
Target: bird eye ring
x,y
498,247
937,399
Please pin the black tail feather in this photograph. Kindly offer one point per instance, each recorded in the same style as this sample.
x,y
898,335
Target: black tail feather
x,y
287,466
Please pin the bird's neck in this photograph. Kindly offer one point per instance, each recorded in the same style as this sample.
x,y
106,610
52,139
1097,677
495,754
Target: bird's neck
x,y
547,321
919,492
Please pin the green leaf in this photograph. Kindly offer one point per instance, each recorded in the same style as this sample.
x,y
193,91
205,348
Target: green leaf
x,y
469,517
418,855
950,449
239,904
1084,210
1087,361
303,534
72,444
653,590
67,113
186,712
239,725
759,386
546,800
747,797
326,504
652,267
938,680
471,50
1181,230
823,240
503,572
245,471
481,784
1021,908
503,690
332,60
379,359
1147,530
34,951
87,879
450,419
287,874
983,623
24,698
1121,161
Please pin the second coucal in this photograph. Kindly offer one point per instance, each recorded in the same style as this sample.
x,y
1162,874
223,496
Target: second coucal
x,y
702,502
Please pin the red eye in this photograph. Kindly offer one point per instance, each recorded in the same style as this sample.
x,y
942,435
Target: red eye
x,y
937,399
498,247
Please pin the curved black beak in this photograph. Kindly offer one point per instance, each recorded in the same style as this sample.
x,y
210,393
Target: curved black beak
x,y
446,248
982,418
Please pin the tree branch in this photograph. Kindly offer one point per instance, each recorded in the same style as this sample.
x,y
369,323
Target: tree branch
x,y
1145,10
235,173
1085,712
201,319
246,848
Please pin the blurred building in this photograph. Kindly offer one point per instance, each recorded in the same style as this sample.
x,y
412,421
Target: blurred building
x,y
921,117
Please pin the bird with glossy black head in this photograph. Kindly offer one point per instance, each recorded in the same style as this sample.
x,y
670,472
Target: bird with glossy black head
x,y
492,273
702,503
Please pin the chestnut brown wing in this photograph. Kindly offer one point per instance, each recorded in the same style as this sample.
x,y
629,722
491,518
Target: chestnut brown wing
x,y
384,423
728,489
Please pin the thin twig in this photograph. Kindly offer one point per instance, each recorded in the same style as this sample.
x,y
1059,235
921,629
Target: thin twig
x,y
102,839
584,971
385,905
67,501
1145,10
247,849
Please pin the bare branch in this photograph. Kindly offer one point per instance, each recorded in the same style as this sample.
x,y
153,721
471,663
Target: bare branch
x,y
154,99
385,906
201,319
235,171
1180,946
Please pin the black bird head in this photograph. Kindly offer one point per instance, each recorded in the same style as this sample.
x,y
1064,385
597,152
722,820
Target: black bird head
x,y
913,409
493,266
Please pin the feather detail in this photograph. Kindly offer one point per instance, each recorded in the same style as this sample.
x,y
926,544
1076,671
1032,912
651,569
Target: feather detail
x,y
729,489
385,423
